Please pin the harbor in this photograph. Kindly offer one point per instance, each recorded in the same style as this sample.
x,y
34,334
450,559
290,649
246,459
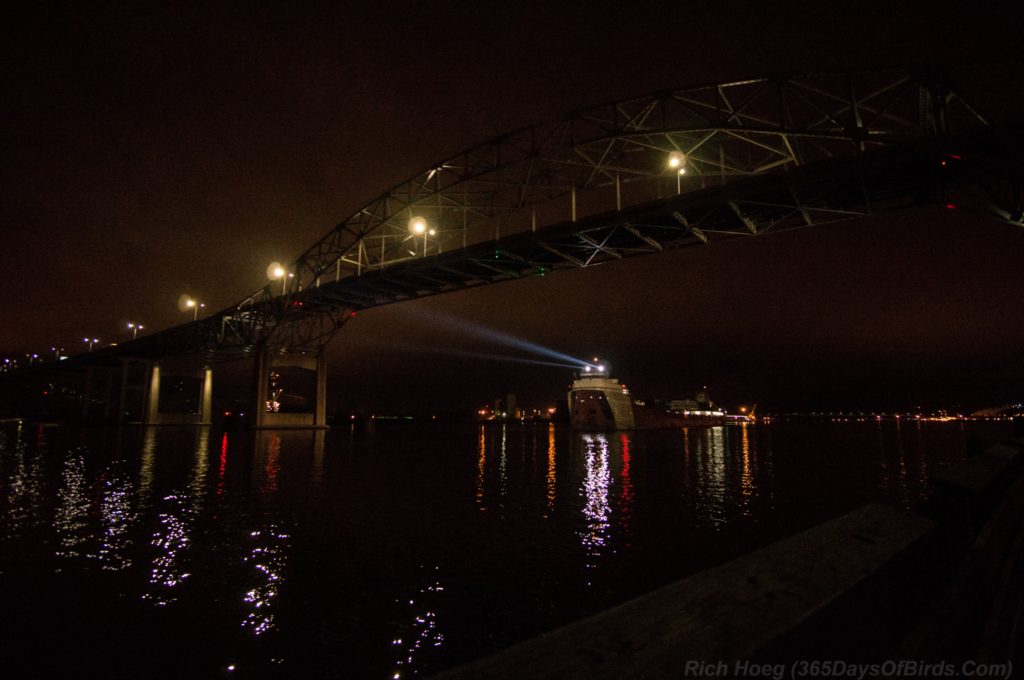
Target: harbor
x,y
404,547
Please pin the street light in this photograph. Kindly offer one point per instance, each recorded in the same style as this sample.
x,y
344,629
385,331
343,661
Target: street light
x,y
91,342
195,307
418,225
277,271
677,162
135,328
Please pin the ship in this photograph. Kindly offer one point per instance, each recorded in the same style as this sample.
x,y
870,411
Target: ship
x,y
599,402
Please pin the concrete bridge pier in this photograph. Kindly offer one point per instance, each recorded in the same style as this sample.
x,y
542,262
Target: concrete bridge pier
x,y
178,396
109,393
290,390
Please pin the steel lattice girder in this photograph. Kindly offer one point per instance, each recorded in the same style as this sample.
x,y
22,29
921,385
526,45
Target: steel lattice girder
x,y
615,153
762,205
762,155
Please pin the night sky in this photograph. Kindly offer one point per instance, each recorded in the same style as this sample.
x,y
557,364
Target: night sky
x,y
153,152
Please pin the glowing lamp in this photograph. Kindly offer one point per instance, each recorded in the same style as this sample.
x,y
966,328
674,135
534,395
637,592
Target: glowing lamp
x,y
676,160
417,225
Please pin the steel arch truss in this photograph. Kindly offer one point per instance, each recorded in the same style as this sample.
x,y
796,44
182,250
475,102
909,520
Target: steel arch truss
x,y
761,155
615,155
758,205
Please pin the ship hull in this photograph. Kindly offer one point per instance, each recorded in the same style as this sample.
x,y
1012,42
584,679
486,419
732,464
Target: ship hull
x,y
594,407
600,409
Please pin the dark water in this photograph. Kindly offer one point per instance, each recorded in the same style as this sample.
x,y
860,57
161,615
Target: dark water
x,y
395,549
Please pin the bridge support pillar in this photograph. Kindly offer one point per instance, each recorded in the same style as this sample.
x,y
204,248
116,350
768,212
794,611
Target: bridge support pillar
x,y
189,410
290,391
113,393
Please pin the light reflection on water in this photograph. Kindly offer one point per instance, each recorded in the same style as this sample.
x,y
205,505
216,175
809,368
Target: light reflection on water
x,y
24,486
551,478
73,506
117,517
481,467
596,509
625,506
422,631
177,513
285,544
267,558
170,541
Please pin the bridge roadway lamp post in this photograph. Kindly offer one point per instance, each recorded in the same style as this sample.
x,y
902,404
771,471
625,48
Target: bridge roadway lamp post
x,y
195,307
276,271
417,226
677,162
135,328
90,342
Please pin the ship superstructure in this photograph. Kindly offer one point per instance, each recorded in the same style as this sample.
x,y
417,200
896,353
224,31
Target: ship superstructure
x,y
597,401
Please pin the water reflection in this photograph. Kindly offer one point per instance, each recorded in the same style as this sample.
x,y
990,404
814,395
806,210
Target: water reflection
x,y
222,464
709,464
170,540
117,516
551,477
272,463
178,512
903,462
267,558
481,466
146,462
626,495
72,506
222,530
422,632
319,446
747,486
724,475
24,489
200,468
596,509
503,462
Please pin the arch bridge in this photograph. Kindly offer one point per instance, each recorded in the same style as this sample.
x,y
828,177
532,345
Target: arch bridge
x,y
671,169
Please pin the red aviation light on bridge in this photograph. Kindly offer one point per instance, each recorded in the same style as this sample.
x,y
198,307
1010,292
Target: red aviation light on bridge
x,y
951,206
